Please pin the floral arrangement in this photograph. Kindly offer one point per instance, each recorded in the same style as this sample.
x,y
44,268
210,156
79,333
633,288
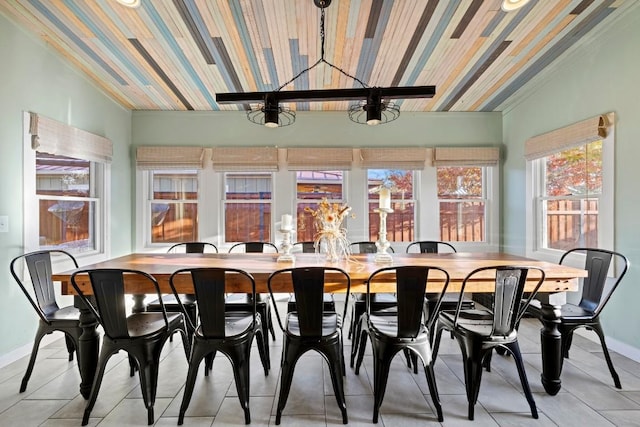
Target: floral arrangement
x,y
328,223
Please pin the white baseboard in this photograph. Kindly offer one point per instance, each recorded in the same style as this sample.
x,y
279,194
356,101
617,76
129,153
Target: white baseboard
x,y
25,350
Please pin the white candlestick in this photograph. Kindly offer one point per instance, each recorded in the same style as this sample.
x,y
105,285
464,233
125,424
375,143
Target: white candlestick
x,y
385,198
286,222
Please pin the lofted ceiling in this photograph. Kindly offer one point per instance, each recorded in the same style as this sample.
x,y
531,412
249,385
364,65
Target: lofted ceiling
x,y
178,54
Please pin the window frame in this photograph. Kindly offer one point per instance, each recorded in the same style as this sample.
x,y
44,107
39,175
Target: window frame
x,y
100,185
535,182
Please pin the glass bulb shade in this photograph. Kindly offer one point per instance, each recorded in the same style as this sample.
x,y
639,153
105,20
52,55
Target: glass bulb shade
x,y
129,3
373,122
271,124
511,5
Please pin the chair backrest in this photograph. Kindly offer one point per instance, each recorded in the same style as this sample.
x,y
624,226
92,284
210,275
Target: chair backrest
x,y
308,287
209,286
411,285
508,306
193,248
109,303
253,247
306,247
365,248
39,266
598,286
430,246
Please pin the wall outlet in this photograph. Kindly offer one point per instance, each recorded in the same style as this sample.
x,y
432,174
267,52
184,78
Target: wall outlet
x,y
4,224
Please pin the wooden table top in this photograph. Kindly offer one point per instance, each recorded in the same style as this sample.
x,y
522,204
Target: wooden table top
x,y
559,278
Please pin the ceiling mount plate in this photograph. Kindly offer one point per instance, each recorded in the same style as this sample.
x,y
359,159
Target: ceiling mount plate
x,y
322,3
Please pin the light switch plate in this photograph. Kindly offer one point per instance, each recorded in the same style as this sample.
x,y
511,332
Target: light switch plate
x,y
4,224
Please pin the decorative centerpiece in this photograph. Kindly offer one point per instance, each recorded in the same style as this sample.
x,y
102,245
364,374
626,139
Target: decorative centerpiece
x,y
286,228
329,231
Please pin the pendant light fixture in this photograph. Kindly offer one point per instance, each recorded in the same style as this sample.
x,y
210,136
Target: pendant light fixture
x,y
372,107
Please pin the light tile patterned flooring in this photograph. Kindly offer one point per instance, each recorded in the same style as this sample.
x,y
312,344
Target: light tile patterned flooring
x,y
587,398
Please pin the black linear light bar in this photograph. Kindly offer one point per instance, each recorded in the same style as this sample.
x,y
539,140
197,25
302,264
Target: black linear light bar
x,y
328,94
373,107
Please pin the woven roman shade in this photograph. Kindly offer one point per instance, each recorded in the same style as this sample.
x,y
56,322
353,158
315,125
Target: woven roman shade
x,y
567,137
311,158
410,158
169,157
53,137
227,159
466,156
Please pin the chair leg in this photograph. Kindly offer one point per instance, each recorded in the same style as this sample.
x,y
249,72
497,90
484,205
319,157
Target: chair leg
x,y
382,356
32,360
105,355
71,347
262,350
514,348
364,334
597,328
433,390
286,376
240,354
149,380
336,362
197,354
472,362
208,362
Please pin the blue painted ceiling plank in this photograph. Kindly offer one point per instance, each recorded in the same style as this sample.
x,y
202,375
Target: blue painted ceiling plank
x,y
271,67
548,57
433,42
82,45
299,63
113,49
365,65
463,85
184,61
241,26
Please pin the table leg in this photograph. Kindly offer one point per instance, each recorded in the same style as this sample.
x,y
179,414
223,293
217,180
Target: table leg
x,y
87,347
551,343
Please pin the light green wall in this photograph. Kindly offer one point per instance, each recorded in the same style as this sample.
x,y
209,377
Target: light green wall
x,y
34,78
602,76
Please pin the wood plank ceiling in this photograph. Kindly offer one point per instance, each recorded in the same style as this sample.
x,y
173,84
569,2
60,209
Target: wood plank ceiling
x,y
177,54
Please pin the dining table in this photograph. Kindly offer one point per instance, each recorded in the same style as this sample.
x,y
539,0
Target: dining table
x,y
559,279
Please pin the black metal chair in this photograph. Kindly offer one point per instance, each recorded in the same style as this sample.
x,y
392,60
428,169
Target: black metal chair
x,y
597,289
188,300
479,331
310,327
329,301
379,302
42,299
405,329
449,302
244,302
142,335
216,329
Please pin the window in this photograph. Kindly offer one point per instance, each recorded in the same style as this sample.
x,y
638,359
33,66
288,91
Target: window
x,y
311,187
247,206
462,203
66,180
400,222
571,186
174,206
568,203
66,190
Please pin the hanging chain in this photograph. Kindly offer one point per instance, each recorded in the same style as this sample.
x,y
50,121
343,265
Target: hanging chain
x,y
306,70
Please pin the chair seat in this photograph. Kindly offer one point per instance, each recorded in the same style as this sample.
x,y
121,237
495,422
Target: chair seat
x,y
569,312
149,323
479,322
63,315
386,324
330,323
236,323
170,302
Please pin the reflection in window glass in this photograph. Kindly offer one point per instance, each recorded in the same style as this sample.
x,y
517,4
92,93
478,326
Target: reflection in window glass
x,y
174,208
461,196
67,208
400,222
572,186
311,187
247,206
